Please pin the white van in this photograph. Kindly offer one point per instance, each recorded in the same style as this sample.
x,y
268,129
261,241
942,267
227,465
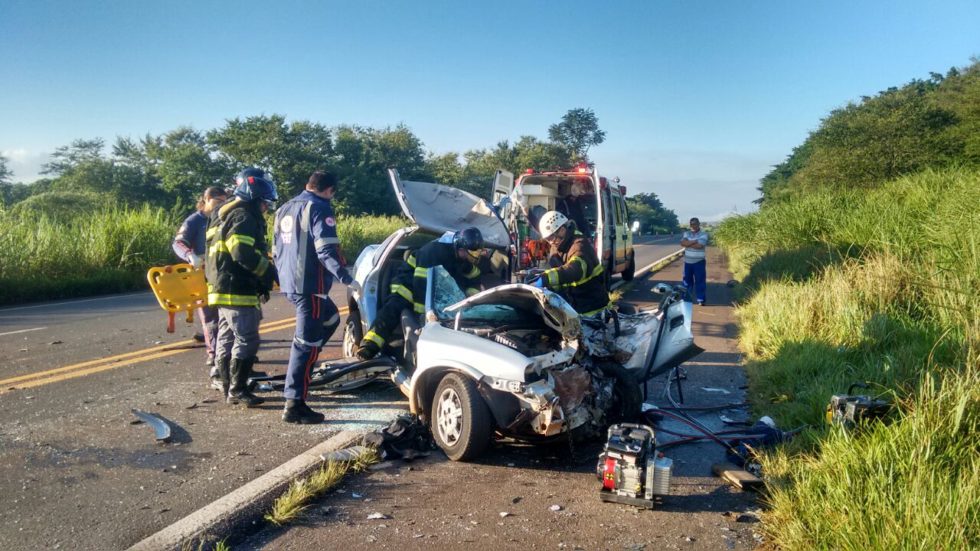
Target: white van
x,y
597,206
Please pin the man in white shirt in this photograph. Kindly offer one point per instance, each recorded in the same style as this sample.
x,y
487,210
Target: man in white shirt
x,y
694,242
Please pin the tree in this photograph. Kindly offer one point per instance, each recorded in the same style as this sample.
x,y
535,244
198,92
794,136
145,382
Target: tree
x,y
289,152
70,156
363,156
6,175
181,163
647,209
577,131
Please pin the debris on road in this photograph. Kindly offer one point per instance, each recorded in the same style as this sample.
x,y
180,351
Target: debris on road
x,y
160,427
712,389
504,514
378,516
737,477
555,508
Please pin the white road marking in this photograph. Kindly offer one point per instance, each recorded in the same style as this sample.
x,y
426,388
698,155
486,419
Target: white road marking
x,y
70,302
642,271
22,331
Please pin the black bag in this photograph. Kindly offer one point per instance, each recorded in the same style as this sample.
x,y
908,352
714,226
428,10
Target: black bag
x,y
405,438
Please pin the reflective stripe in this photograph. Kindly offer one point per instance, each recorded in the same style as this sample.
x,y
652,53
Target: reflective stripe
x,y
411,260
597,271
223,299
552,277
333,319
471,291
262,266
405,292
237,239
419,308
473,273
422,272
375,338
594,312
311,344
324,241
211,231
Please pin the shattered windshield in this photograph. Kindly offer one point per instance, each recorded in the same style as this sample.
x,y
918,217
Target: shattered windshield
x,y
445,293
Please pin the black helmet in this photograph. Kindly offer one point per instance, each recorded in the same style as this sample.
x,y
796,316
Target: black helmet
x,y
470,239
254,185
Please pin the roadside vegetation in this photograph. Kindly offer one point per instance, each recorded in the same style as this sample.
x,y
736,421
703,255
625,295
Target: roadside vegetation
x,y
848,278
78,252
293,503
146,186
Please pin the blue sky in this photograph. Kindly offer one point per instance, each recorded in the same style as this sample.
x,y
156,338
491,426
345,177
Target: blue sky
x,y
698,99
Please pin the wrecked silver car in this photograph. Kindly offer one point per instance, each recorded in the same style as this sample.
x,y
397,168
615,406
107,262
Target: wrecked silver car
x,y
512,361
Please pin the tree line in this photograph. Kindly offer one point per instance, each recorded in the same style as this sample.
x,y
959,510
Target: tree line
x,y
171,169
931,123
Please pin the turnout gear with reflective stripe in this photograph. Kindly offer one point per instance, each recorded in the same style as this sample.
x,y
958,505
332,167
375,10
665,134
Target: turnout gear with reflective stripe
x,y
409,286
307,250
238,269
578,275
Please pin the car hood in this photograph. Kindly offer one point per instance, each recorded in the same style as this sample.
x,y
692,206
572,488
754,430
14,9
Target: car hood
x,y
556,313
436,208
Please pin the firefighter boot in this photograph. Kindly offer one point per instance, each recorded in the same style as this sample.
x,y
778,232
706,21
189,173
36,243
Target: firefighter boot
x,y
367,350
297,411
239,393
222,379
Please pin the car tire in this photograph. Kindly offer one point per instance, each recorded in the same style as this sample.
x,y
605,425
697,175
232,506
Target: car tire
x,y
630,270
460,419
352,334
627,396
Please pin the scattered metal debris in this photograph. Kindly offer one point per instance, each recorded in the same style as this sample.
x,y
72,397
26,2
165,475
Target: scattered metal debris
x,y
160,427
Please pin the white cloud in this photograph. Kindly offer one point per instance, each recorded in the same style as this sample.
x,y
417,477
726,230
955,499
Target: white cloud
x,y
25,164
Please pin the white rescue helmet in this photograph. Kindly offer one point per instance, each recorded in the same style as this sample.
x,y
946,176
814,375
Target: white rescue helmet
x,y
551,222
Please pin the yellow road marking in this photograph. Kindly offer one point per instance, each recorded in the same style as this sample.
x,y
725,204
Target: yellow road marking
x,y
120,360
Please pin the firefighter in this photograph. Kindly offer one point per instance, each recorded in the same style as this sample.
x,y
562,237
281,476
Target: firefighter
x,y
307,256
189,246
576,272
240,277
459,253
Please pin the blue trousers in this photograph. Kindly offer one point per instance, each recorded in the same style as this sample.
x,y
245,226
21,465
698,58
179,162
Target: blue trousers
x,y
695,276
316,320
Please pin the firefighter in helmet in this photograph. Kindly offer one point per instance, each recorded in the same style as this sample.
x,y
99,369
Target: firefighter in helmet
x,y
459,253
576,273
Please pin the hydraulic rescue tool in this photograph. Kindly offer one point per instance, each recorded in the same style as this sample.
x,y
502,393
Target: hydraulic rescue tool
x,y
629,468
850,409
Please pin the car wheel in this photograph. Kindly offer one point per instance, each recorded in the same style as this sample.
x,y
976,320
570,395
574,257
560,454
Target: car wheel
x,y
627,399
352,334
630,270
461,423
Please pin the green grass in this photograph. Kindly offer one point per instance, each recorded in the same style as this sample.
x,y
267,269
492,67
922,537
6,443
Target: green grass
x,y
292,504
878,286
89,252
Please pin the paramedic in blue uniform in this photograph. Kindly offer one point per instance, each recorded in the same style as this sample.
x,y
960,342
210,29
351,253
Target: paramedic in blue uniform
x,y
189,244
307,256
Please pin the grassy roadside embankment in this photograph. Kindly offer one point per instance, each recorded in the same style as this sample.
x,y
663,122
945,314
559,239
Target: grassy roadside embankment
x,y
97,252
880,286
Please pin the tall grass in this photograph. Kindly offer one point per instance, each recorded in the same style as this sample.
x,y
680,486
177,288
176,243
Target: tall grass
x,y
879,286
96,252
86,252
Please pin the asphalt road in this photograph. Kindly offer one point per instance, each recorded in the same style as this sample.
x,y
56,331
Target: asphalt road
x,y
76,473
545,497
